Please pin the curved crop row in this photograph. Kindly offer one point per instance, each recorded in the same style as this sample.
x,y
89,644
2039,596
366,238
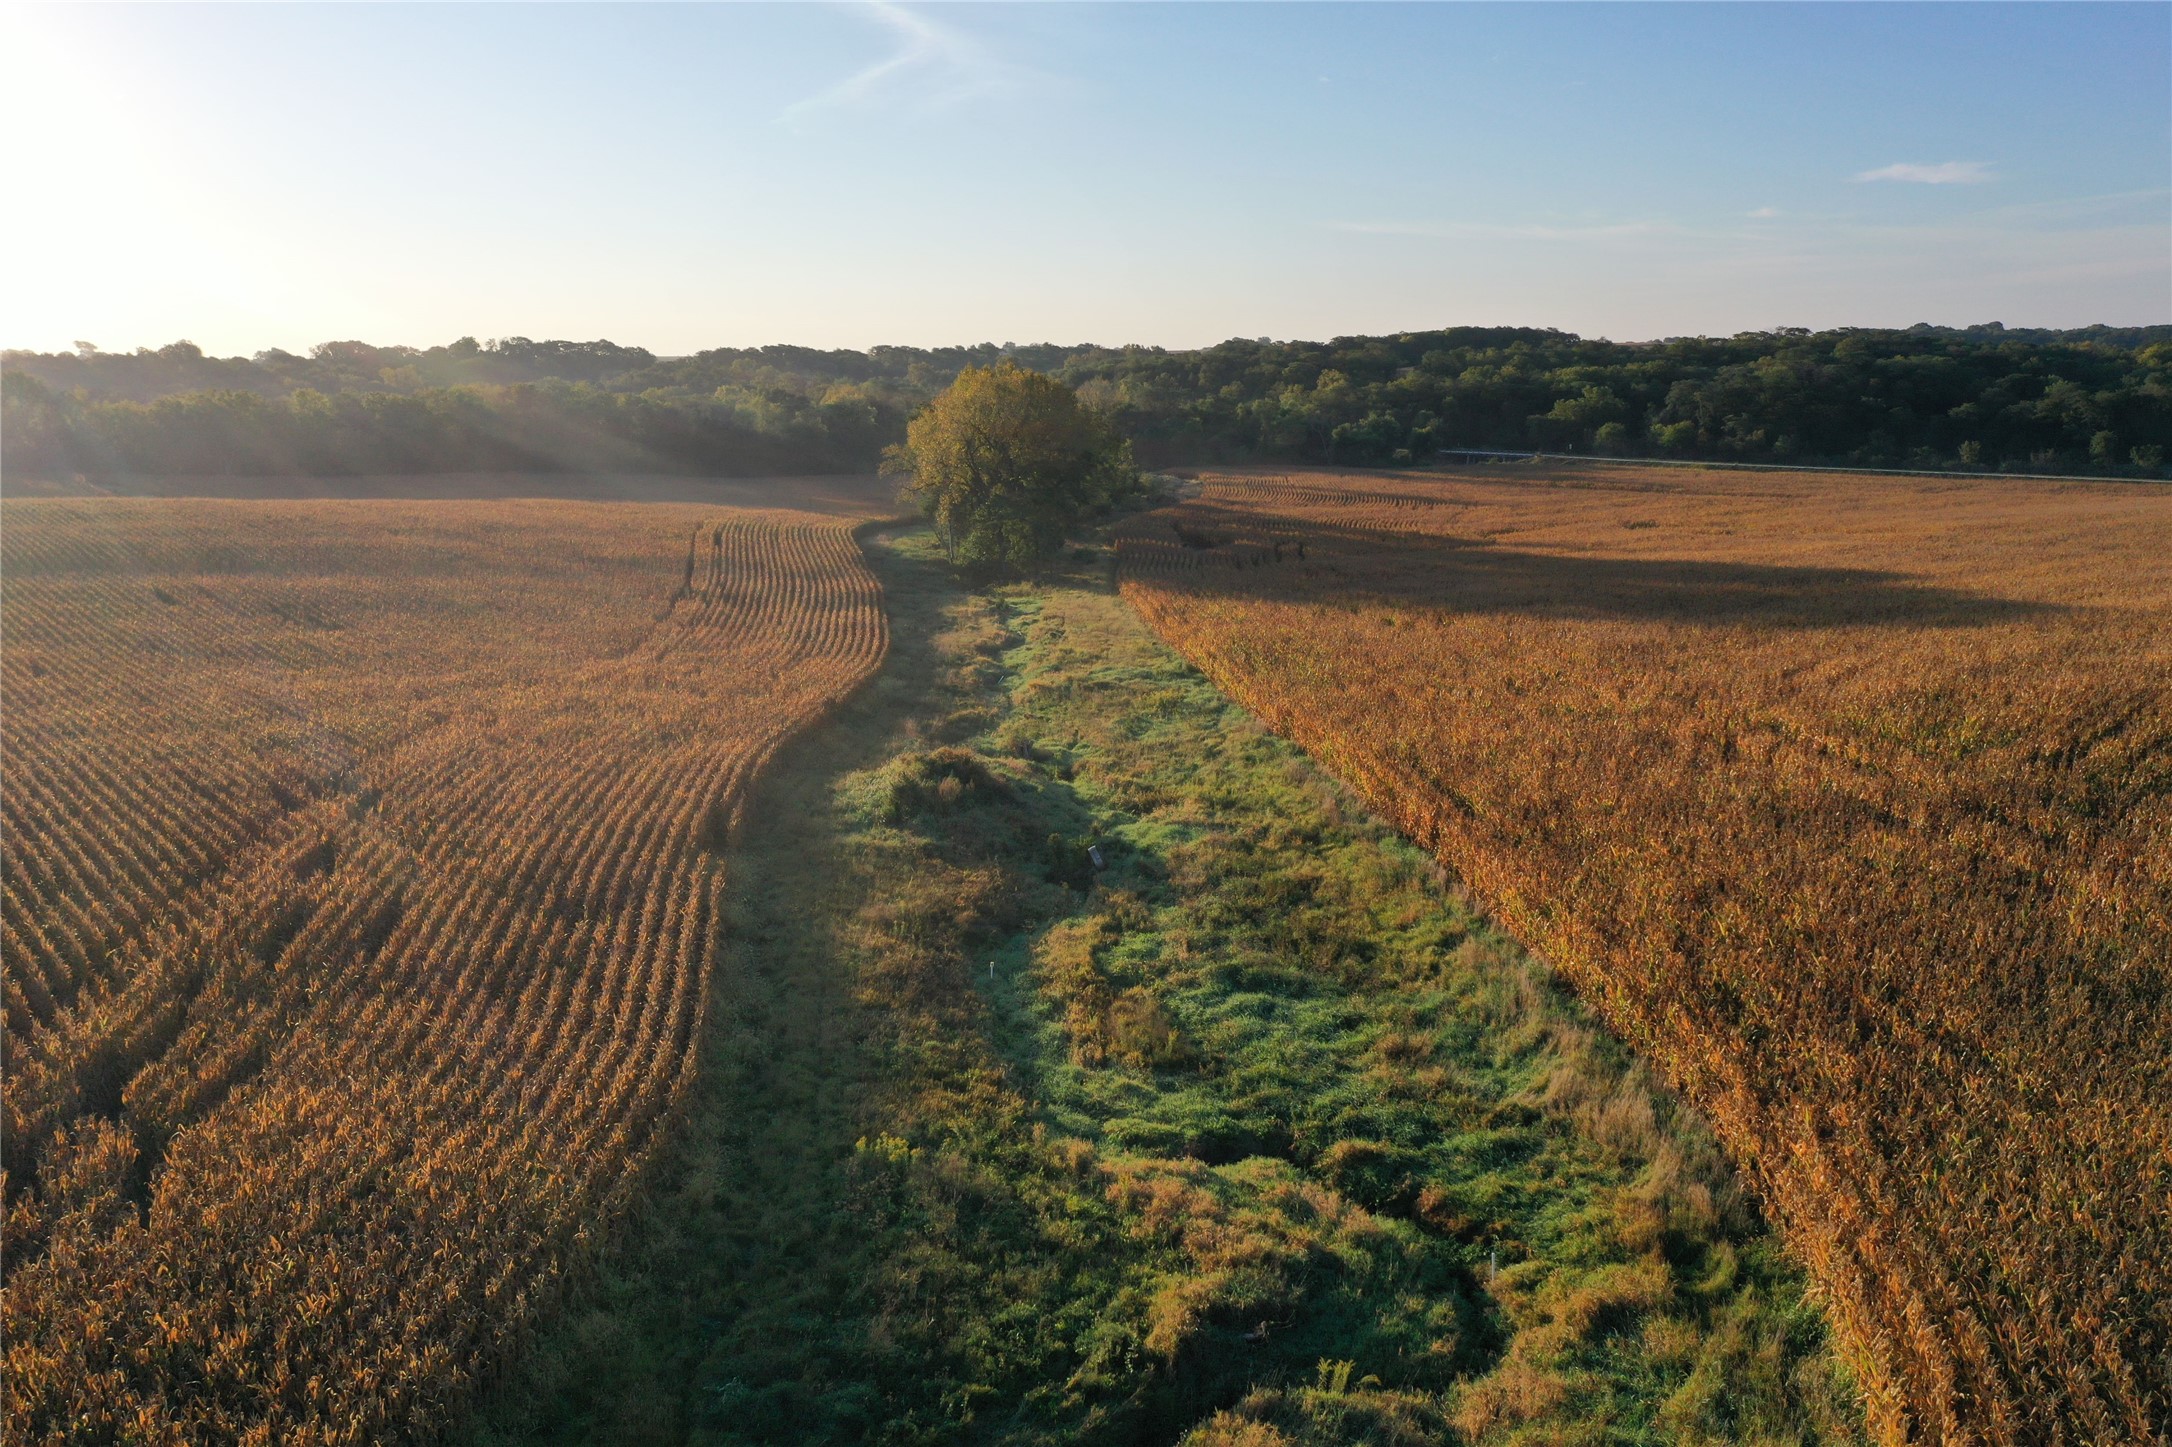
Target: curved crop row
x,y
359,898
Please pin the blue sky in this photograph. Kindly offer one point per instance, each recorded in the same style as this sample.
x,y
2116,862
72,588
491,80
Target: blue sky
x,y
681,176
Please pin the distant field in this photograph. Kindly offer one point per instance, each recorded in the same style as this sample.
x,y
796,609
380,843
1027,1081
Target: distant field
x,y
1847,800
360,895
861,495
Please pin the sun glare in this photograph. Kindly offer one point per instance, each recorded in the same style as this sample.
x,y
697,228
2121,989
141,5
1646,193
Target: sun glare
x,y
121,235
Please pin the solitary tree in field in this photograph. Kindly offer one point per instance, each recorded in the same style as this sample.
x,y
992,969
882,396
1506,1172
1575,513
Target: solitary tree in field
x,y
1007,462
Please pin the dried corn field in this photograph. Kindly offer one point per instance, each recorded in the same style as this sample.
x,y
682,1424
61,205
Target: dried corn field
x,y
359,897
1849,802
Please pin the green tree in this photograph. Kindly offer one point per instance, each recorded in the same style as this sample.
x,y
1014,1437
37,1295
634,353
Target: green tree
x,y
1007,462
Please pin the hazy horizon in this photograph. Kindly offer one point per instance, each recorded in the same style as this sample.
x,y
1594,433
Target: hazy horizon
x,y
1019,344
686,177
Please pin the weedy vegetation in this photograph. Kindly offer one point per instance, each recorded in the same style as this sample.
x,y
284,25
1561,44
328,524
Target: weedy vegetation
x,y
1253,1133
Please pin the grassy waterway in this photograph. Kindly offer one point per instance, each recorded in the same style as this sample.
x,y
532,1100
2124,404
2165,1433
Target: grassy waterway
x,y
1255,1134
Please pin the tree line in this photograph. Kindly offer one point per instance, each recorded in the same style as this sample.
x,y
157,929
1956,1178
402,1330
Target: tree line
x,y
2093,400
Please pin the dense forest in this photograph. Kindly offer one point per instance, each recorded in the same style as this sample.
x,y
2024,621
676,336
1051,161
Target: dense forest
x,y
2095,400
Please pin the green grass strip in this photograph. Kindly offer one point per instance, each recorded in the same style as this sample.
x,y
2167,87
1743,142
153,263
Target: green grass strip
x,y
1251,1133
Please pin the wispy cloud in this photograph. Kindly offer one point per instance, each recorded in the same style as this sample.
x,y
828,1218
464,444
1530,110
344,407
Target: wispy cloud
x,y
1943,173
1763,213
934,65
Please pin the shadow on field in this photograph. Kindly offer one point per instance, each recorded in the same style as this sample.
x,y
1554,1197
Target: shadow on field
x,y
1250,556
